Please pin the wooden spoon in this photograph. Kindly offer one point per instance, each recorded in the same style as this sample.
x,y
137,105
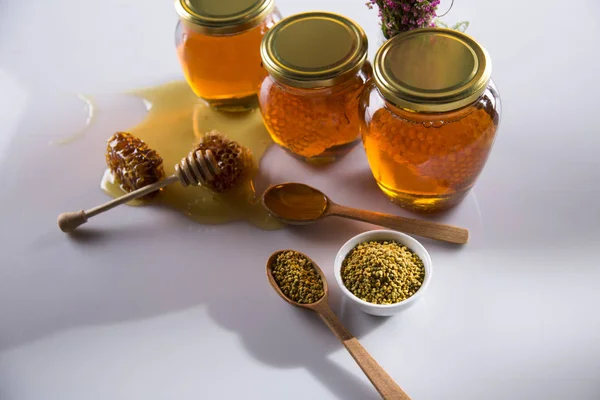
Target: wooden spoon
x,y
300,204
385,385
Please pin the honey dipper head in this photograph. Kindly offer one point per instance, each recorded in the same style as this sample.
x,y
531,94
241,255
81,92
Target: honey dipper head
x,y
132,162
233,159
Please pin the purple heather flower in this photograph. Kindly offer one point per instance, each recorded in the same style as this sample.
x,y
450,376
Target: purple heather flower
x,y
398,16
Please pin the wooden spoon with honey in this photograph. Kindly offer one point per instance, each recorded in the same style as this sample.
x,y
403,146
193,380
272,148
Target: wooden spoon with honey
x,y
385,385
300,204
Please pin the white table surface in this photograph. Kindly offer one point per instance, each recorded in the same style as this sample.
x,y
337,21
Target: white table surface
x,y
150,305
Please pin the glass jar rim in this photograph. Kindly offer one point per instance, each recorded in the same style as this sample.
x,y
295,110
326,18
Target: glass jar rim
x,y
243,15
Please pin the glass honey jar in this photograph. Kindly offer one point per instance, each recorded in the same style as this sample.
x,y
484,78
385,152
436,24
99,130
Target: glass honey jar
x,y
218,45
429,117
317,70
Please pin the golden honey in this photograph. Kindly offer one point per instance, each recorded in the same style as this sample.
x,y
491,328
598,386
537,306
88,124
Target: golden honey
x,y
175,122
317,71
430,117
218,46
316,124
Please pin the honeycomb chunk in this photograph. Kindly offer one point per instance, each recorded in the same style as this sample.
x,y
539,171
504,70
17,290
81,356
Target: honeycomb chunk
x,y
133,163
234,160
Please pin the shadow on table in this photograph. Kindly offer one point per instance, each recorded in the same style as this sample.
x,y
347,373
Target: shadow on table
x,y
47,287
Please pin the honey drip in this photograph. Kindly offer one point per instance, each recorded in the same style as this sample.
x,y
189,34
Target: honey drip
x,y
175,122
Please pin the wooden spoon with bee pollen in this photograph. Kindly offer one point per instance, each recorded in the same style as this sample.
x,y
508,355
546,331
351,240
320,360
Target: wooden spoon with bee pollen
x,y
385,385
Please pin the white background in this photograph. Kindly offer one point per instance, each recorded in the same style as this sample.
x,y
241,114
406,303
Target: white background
x,y
149,305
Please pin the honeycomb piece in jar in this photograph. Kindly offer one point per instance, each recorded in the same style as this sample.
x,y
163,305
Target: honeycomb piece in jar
x,y
234,161
132,163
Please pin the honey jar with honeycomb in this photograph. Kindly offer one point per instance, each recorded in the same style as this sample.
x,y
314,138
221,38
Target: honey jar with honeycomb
x,y
429,117
317,70
218,45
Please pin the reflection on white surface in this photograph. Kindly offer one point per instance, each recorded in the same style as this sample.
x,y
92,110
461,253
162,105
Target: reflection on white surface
x,y
147,104
147,304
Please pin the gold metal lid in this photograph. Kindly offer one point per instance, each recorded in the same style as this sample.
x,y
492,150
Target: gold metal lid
x,y
221,17
314,49
432,70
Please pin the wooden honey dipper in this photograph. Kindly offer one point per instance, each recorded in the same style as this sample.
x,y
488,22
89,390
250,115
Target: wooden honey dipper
x,y
199,168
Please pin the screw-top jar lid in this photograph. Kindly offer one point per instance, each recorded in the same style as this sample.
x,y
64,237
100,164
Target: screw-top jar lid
x,y
432,70
314,49
223,16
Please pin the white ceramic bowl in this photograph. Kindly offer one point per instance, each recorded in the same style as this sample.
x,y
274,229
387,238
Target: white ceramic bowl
x,y
383,309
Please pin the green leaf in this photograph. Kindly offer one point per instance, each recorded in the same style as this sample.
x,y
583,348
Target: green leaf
x,y
460,26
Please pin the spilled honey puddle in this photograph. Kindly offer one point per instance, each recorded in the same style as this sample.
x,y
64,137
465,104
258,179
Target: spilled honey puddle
x,y
177,120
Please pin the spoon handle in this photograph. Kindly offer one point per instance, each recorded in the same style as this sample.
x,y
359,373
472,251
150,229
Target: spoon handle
x,y
385,385
69,221
428,229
